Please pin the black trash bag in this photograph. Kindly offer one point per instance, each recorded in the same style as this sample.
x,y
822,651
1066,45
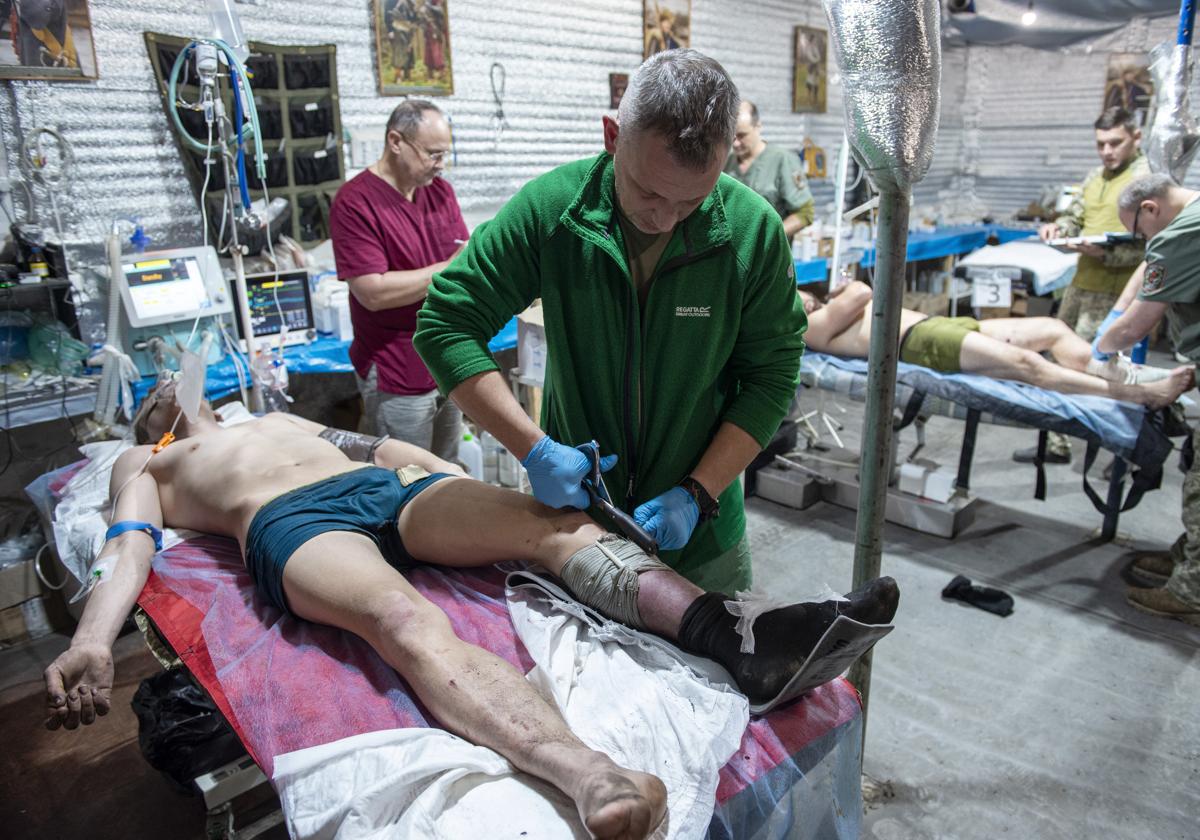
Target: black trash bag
x,y
180,730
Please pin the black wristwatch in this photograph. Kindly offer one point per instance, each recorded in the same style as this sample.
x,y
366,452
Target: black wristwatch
x,y
710,508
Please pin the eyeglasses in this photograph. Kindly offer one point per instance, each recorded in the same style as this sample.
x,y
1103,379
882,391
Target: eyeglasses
x,y
1136,215
434,157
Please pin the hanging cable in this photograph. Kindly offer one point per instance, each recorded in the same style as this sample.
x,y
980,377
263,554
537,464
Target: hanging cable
x,y
499,123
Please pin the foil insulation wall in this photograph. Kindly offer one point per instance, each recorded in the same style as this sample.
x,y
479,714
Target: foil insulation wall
x,y
556,91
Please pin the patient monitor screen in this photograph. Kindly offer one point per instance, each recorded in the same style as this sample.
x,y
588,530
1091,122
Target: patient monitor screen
x,y
279,301
166,287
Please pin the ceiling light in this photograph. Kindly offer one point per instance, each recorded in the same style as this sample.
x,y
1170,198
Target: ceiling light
x,y
1030,15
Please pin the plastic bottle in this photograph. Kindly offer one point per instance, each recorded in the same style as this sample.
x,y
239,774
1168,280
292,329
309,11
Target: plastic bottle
x,y
1138,354
470,453
491,458
509,469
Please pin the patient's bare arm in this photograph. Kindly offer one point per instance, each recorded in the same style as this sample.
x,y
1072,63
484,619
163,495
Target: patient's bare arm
x,y
79,681
842,312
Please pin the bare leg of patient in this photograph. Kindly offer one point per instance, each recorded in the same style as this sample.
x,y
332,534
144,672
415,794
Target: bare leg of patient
x,y
988,356
504,525
340,579
1041,335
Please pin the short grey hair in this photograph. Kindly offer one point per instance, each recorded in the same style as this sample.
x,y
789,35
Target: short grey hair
x,y
408,115
1143,188
686,97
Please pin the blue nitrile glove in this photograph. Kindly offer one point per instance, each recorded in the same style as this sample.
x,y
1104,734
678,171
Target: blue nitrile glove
x,y
556,473
1098,354
669,518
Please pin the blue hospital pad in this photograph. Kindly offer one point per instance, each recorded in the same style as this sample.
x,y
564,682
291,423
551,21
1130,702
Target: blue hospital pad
x,y
325,355
943,242
1119,427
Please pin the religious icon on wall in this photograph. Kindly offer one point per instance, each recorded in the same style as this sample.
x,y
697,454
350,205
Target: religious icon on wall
x,y
1128,83
617,82
412,47
667,25
809,70
46,39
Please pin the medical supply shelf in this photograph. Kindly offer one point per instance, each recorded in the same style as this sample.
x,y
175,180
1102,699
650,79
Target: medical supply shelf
x,y
923,245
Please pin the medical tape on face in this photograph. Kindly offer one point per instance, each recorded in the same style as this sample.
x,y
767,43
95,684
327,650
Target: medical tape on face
x,y
604,576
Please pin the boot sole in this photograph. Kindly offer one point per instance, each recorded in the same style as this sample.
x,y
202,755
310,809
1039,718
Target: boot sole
x,y
1187,618
1153,579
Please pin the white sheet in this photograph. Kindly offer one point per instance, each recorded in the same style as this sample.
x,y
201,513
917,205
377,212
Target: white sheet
x,y
636,698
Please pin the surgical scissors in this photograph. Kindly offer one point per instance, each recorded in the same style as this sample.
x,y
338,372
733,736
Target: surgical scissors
x,y
598,493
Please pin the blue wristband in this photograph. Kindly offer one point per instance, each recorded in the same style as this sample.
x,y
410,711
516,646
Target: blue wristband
x,y
118,528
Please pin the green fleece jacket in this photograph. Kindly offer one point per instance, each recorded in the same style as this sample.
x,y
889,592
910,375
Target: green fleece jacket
x,y
719,338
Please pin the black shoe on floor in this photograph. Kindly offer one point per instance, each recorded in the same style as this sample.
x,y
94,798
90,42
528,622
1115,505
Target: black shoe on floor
x,y
1027,456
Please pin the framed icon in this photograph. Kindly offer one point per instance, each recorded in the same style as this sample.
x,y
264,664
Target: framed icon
x,y
667,25
810,76
46,39
412,47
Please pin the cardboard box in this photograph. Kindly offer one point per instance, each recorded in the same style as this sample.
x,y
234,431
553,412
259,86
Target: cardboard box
x,y
927,302
531,344
24,621
18,583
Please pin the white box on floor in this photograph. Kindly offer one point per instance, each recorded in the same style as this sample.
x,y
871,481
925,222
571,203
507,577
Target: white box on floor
x,y
927,481
531,344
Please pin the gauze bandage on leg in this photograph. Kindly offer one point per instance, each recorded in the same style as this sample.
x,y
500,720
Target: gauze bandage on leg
x,y
604,576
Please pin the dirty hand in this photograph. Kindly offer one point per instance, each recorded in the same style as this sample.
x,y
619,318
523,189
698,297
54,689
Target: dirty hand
x,y
79,686
669,518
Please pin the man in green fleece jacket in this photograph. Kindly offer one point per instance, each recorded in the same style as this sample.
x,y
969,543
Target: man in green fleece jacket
x,y
673,326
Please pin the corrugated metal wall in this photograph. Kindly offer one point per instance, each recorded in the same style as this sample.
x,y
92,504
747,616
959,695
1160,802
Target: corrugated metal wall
x,y
1036,112
1012,118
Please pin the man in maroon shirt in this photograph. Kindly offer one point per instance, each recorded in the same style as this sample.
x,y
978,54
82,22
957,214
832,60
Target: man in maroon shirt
x,y
394,226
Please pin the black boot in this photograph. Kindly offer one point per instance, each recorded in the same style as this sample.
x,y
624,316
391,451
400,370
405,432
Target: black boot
x,y
783,638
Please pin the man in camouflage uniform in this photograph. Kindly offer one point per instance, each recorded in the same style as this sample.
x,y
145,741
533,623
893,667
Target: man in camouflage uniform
x,y
1168,282
1102,271
775,173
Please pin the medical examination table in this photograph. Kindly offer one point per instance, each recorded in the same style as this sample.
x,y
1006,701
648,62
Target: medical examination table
x,y
318,712
1138,437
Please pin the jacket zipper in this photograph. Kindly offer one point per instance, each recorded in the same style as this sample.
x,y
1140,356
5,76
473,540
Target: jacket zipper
x,y
632,434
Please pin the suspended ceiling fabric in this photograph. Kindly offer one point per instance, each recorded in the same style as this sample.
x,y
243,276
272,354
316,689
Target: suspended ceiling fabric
x,y
1059,22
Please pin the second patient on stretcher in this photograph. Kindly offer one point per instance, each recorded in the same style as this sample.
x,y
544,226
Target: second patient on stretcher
x,y
1003,348
325,539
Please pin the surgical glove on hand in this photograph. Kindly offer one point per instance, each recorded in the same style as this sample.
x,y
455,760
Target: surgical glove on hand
x,y
79,686
556,473
669,518
1098,354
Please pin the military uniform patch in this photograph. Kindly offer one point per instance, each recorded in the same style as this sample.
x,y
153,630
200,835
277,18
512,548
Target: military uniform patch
x,y
1154,278
801,181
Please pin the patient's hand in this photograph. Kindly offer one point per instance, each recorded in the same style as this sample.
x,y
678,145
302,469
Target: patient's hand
x,y
78,686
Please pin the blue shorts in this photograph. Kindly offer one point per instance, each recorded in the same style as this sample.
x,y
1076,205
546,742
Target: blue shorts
x,y
365,501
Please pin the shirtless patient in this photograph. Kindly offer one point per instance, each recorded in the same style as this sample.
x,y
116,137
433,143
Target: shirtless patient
x,y
314,528
1003,348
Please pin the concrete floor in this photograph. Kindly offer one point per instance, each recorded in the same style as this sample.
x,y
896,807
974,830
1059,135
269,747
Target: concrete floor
x,y
1073,717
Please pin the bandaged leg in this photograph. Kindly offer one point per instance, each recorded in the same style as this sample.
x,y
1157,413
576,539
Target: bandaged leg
x,y
604,576
783,638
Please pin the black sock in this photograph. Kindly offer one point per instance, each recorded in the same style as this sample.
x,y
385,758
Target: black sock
x,y
783,638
